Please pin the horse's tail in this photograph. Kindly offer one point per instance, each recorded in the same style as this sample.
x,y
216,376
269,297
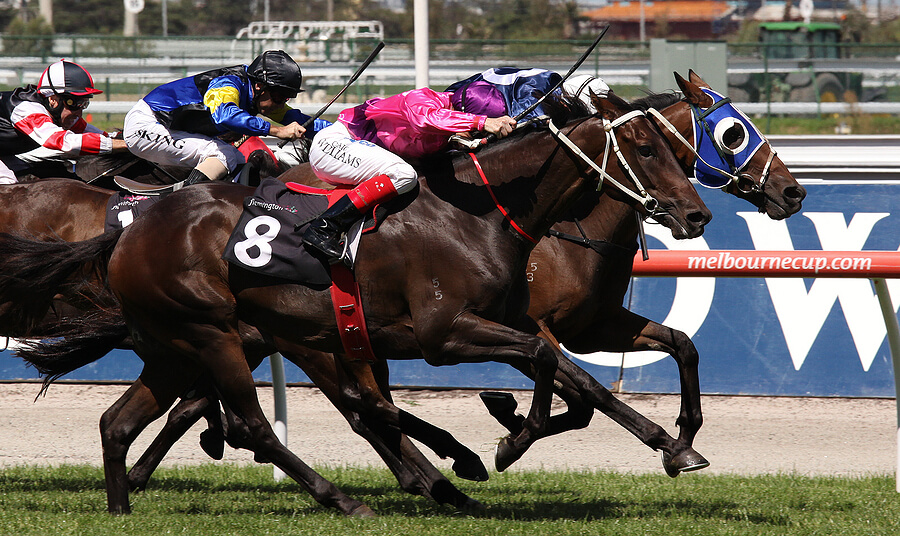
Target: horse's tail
x,y
75,341
32,273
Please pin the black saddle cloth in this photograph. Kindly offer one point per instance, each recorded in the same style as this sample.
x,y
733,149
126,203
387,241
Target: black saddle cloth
x,y
267,238
123,207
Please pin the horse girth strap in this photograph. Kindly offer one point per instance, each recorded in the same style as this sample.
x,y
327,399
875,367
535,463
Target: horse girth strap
x,y
502,210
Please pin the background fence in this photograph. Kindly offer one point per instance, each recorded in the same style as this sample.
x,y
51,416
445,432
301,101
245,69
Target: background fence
x,y
128,67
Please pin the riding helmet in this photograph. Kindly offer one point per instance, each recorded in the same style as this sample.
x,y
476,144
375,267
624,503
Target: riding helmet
x,y
66,77
277,69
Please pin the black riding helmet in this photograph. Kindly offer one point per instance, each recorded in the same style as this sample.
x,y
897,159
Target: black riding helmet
x,y
275,68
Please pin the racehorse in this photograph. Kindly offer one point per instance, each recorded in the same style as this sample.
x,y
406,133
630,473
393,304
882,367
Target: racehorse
x,y
778,194
475,318
586,313
580,277
70,210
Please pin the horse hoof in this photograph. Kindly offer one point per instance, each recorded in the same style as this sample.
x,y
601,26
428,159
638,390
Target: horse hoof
x,y
683,462
212,444
471,469
498,401
505,454
502,406
472,507
362,511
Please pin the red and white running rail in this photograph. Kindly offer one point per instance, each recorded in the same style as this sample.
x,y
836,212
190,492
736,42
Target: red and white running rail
x,y
874,265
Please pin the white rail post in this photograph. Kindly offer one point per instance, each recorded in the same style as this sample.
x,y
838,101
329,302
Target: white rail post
x,y
280,394
893,336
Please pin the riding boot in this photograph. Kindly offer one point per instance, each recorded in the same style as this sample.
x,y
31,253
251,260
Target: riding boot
x,y
194,177
246,174
325,232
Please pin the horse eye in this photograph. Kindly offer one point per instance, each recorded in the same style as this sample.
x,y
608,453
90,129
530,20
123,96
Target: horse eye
x,y
733,137
645,150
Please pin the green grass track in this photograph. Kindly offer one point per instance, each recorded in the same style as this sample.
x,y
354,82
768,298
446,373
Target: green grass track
x,y
223,500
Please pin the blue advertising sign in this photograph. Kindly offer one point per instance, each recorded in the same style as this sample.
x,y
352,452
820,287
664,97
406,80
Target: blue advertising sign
x,y
761,336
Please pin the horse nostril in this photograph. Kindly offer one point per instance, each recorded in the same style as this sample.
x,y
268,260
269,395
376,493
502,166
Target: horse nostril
x,y
797,193
699,217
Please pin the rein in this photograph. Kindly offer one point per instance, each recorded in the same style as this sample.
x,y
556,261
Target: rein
x,y
642,196
497,201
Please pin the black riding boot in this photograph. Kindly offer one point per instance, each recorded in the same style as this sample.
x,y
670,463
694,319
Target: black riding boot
x,y
195,176
324,233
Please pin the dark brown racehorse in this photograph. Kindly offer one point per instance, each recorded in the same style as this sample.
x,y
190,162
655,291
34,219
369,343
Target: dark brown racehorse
x,y
780,196
70,210
579,285
586,313
191,301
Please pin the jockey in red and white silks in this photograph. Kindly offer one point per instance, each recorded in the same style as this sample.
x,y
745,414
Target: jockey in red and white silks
x,y
49,116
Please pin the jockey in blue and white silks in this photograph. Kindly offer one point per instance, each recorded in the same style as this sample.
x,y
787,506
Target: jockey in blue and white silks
x,y
519,87
720,159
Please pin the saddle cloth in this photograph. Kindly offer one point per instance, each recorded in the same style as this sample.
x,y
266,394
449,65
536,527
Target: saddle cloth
x,y
267,240
123,207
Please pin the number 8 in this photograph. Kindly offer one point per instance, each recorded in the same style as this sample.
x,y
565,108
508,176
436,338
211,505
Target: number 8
x,y
261,241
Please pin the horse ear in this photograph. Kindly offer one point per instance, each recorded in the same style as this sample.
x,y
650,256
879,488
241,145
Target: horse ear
x,y
692,92
695,78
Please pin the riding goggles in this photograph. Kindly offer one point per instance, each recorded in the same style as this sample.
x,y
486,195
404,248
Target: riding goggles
x,y
74,103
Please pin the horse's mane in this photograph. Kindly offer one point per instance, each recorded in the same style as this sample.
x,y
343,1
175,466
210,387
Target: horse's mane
x,y
656,100
563,108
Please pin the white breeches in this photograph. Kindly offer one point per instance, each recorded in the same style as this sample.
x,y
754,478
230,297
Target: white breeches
x,y
7,176
337,158
149,139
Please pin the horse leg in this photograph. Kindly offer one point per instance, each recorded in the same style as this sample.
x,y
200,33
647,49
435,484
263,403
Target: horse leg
x,y
472,339
181,418
234,382
146,400
361,392
414,472
625,331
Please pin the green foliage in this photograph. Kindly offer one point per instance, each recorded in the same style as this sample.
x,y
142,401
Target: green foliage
x,y
224,500
32,38
88,16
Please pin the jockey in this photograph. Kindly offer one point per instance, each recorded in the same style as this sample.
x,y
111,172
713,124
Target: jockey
x,y
368,143
179,123
46,119
518,87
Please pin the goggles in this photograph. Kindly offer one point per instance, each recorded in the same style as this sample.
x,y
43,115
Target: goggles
x,y
279,95
74,103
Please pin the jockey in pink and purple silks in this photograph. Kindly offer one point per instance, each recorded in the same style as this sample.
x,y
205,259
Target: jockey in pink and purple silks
x,y
367,145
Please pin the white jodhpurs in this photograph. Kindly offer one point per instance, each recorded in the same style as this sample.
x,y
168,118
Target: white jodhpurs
x,y
337,158
149,139
7,176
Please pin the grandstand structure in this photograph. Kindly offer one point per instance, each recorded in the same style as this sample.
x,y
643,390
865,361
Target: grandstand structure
x,y
320,41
